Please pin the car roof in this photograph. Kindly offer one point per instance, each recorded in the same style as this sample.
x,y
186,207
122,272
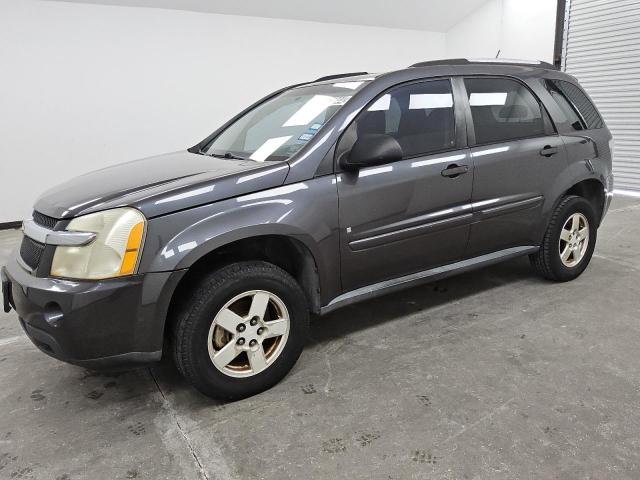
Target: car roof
x,y
485,61
457,66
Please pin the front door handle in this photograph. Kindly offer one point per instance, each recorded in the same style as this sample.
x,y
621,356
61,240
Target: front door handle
x,y
548,150
453,170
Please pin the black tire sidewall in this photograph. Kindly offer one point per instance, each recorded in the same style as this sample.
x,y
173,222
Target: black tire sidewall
x,y
203,374
573,205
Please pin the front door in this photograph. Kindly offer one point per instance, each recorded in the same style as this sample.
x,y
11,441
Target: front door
x,y
412,214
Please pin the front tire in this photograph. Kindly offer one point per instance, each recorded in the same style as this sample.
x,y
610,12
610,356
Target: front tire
x,y
241,330
569,241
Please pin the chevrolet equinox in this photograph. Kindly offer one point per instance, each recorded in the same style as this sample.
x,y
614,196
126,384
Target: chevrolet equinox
x,y
317,196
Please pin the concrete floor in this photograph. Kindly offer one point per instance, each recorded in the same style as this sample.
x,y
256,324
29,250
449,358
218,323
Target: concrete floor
x,y
494,374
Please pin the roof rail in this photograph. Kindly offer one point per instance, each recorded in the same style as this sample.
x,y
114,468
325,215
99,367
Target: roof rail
x,y
476,61
340,75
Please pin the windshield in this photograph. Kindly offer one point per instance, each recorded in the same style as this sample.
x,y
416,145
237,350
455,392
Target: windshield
x,y
279,127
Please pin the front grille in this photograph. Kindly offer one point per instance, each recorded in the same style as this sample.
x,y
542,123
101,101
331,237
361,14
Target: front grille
x,y
31,252
44,220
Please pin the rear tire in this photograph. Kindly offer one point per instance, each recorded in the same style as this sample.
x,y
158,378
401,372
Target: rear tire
x,y
266,322
569,241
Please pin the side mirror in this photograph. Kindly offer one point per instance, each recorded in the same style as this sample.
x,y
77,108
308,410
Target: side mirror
x,y
370,150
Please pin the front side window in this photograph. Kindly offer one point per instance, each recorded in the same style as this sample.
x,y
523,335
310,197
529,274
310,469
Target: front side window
x,y
419,116
276,129
503,110
575,105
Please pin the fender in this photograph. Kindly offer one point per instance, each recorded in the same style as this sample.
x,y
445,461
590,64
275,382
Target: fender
x,y
306,211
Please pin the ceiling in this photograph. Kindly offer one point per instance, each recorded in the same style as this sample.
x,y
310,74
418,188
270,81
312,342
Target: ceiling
x,y
432,15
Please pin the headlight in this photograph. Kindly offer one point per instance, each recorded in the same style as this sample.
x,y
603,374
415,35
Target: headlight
x,y
114,252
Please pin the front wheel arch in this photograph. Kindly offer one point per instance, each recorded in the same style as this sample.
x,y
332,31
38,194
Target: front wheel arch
x,y
189,342
288,253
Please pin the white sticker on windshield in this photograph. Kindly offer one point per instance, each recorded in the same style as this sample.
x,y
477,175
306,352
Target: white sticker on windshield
x,y
305,137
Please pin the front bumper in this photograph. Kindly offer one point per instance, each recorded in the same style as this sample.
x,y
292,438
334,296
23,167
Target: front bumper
x,y
97,324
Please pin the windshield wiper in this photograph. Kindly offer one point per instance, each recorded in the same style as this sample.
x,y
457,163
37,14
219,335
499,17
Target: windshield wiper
x,y
227,155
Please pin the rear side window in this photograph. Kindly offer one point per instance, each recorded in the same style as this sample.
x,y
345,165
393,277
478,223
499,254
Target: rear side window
x,y
503,110
419,116
575,105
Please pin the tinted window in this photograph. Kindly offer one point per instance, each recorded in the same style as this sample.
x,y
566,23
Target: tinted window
x,y
419,116
570,113
503,110
578,101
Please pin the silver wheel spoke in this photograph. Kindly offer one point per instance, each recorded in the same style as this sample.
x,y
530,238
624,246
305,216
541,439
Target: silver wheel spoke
x,y
276,328
259,305
575,222
564,235
228,320
583,232
257,359
225,355
565,253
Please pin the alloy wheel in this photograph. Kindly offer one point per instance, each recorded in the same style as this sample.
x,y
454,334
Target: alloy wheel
x,y
248,333
574,240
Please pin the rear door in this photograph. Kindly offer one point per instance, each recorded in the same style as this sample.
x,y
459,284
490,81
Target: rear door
x,y
412,214
517,156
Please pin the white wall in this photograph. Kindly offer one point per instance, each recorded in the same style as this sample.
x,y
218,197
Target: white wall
x,y
523,29
85,86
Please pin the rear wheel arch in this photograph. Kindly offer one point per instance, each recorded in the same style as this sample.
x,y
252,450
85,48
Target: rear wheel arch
x,y
591,189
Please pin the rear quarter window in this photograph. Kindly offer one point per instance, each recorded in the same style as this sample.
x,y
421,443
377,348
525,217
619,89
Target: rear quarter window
x,y
570,96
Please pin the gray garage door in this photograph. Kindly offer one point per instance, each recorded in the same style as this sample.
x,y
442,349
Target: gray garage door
x,y
602,50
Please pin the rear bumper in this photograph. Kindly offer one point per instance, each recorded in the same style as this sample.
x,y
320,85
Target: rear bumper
x,y
97,324
608,196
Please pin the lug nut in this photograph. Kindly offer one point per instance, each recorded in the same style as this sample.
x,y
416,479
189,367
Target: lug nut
x,y
260,330
240,341
241,327
254,321
253,343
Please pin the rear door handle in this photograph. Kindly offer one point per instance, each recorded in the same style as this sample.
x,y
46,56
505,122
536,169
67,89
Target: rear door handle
x,y
548,151
453,170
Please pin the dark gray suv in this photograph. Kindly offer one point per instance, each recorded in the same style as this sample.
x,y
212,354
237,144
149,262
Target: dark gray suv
x,y
317,196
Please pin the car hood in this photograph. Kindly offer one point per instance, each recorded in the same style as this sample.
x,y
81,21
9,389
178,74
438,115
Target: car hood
x,y
161,184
